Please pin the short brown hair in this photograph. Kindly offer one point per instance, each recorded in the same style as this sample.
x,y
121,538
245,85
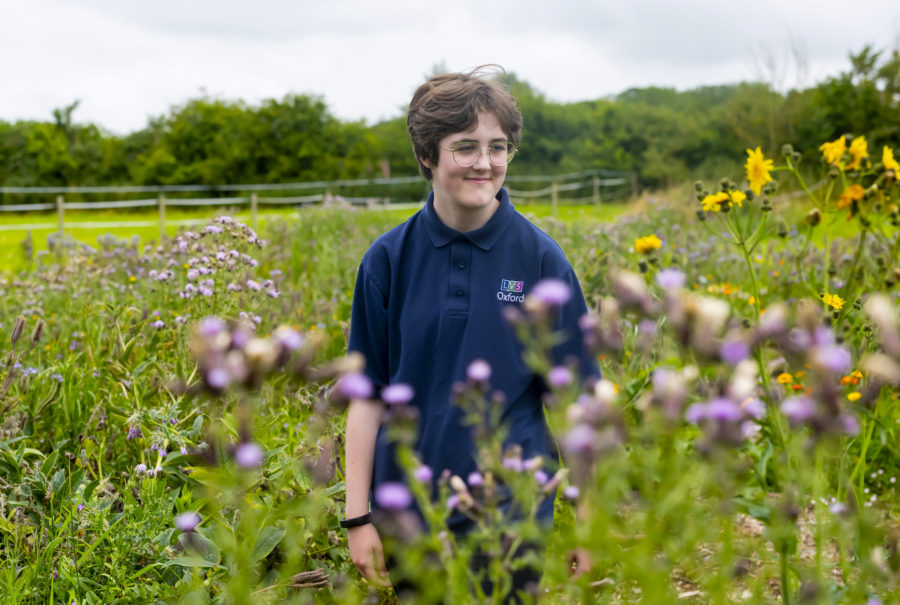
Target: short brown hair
x,y
450,103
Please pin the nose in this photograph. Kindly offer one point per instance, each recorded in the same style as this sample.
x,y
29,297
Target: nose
x,y
484,160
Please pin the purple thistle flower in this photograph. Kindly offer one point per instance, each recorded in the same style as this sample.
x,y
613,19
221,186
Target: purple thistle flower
x,y
249,455
733,352
423,474
393,496
187,522
850,424
140,469
453,501
833,358
754,408
560,376
253,285
513,464
552,292
478,371
289,338
798,409
572,492
217,378
541,477
158,324
354,386
475,479
695,413
397,394
670,278
580,439
211,326
724,410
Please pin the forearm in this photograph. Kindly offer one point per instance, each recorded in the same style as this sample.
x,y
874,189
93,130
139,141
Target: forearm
x,y
363,420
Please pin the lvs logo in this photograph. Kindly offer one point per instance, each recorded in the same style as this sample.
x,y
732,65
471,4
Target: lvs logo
x,y
511,291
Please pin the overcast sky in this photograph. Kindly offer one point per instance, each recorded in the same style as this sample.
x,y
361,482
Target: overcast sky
x,y
128,60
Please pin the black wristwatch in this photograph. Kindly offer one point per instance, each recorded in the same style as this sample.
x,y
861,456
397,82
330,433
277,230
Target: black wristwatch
x,y
356,521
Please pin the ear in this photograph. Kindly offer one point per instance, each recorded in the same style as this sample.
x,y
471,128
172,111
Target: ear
x,y
427,163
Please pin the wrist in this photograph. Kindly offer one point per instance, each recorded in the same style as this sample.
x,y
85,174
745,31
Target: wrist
x,y
357,521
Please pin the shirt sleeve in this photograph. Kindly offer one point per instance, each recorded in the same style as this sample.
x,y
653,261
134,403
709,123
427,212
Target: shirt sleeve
x,y
369,326
567,321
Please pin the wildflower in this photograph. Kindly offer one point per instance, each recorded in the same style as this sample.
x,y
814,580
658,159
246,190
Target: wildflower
x,y
559,376
253,285
853,193
541,477
217,378
478,371
831,357
158,324
571,492
551,292
859,150
798,409
833,300
670,279
713,202
397,394
834,151
514,464
140,469
644,245
737,197
393,496
187,522
733,352
249,455
354,386
854,396
887,159
785,378
757,168
453,501
423,474
288,337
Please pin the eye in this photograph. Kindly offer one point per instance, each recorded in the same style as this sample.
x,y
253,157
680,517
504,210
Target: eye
x,y
464,148
499,147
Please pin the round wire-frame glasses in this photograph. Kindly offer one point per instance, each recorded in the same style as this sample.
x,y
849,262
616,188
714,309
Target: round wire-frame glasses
x,y
466,154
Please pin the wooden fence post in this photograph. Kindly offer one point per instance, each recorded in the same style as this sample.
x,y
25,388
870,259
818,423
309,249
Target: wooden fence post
x,y
554,197
161,200
254,201
61,214
596,190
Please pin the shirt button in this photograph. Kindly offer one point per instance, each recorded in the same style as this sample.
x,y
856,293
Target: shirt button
x,y
459,292
461,265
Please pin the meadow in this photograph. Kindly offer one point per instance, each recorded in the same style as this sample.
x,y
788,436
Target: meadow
x,y
172,412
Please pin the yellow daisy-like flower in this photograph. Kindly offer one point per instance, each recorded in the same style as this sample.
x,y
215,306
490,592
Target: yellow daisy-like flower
x,y
833,300
854,396
785,378
859,150
834,151
757,168
713,201
887,158
851,194
643,245
737,197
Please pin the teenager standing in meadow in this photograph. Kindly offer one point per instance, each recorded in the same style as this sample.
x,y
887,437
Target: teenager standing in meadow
x,y
429,301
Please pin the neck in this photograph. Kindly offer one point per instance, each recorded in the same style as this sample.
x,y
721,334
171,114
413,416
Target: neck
x,y
464,219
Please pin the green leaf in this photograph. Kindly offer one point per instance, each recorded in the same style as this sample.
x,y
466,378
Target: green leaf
x,y
268,539
57,481
49,462
190,562
202,546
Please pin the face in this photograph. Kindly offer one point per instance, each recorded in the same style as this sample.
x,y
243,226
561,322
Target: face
x,y
468,194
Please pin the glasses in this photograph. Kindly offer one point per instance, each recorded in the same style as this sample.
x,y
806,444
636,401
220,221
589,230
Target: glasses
x,y
467,153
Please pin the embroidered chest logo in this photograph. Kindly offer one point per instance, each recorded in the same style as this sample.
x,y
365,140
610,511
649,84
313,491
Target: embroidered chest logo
x,y
511,291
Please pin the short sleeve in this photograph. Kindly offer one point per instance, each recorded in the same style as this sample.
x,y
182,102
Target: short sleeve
x,y
369,327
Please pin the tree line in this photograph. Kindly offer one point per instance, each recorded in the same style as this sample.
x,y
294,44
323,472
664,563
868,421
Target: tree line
x,y
663,135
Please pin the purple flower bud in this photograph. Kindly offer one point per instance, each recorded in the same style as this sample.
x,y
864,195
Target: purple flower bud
x,y
513,464
475,479
541,477
423,474
397,394
478,371
552,292
249,455
158,324
393,496
187,522
560,376
80,507
798,409
354,386
733,352
217,378
572,492
453,501
724,410
140,469
670,278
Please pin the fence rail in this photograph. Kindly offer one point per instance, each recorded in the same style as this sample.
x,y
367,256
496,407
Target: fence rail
x,y
559,183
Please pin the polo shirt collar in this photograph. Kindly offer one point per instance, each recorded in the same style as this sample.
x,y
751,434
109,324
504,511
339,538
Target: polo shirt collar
x,y
484,237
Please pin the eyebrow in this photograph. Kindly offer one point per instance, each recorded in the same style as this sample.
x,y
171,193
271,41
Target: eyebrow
x,y
476,141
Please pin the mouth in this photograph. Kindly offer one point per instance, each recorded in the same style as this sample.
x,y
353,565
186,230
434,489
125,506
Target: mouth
x,y
478,180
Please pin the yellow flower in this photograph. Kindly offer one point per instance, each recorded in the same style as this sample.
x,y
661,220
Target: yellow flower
x,y
758,168
834,151
643,245
714,201
854,396
785,378
737,197
859,150
853,193
833,300
887,158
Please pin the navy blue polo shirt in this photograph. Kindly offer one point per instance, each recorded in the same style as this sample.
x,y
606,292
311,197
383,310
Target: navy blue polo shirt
x,y
429,301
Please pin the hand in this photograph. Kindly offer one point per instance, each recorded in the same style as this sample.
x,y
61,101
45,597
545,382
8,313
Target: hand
x,y
367,553
579,562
